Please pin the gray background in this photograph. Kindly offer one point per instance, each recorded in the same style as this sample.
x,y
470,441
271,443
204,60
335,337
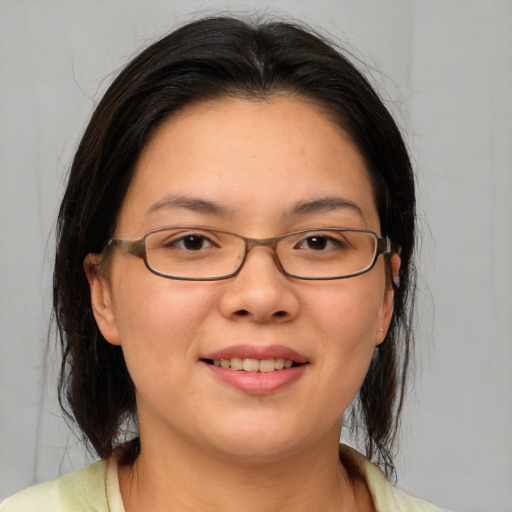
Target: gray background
x,y
445,70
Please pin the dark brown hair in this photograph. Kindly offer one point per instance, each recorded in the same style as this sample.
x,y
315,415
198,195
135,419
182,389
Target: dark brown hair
x,y
207,59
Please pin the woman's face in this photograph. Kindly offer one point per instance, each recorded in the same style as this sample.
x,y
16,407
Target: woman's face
x,y
259,169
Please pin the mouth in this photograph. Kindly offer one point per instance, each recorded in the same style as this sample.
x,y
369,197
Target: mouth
x,y
254,365
257,369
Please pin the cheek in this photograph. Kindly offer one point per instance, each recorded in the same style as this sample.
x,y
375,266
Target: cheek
x,y
159,319
347,322
351,309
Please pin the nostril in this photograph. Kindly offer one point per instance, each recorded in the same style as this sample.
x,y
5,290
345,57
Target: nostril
x,y
242,312
280,314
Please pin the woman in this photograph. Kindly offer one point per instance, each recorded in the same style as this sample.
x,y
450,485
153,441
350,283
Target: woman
x,y
233,268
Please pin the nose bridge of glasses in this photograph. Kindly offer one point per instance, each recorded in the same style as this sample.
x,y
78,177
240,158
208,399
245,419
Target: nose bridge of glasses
x,y
271,243
250,243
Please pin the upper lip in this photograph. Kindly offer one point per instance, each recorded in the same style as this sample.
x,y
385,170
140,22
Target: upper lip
x,y
258,352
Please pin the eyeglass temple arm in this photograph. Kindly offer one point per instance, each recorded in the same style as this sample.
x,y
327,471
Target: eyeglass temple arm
x,y
384,246
136,248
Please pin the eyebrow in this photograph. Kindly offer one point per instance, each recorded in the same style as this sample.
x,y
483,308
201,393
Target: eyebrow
x,y
205,206
324,204
194,204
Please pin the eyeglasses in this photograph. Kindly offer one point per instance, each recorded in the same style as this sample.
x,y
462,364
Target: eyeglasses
x,y
196,253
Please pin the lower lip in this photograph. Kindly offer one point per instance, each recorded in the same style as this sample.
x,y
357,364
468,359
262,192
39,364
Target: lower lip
x,y
258,383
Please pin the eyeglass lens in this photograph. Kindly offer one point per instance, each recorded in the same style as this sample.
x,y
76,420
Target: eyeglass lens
x,y
194,253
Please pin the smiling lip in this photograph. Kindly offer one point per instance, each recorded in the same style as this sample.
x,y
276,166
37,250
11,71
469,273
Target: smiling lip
x,y
255,382
258,352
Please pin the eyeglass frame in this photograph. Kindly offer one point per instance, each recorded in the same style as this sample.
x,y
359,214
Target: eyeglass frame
x,y
137,248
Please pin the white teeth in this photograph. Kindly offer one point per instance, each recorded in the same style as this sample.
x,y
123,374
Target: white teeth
x,y
251,365
267,365
235,363
254,365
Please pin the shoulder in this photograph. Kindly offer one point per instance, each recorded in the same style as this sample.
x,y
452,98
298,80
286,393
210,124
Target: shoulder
x,y
386,497
85,490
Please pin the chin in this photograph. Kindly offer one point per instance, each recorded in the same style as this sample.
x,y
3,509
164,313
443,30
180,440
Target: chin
x,y
257,451
263,442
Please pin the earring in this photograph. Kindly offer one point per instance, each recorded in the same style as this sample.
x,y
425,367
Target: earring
x,y
381,330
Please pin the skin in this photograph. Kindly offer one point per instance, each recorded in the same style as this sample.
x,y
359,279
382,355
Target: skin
x,y
205,444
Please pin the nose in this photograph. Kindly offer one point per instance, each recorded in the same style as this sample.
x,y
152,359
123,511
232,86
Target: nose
x,y
260,292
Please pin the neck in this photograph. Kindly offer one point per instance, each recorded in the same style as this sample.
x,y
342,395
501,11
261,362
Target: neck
x,y
184,477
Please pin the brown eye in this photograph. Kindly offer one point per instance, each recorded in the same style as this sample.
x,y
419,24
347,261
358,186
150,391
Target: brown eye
x,y
193,242
319,243
188,242
316,243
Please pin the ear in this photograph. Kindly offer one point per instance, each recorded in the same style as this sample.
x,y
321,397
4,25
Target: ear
x,y
101,299
386,313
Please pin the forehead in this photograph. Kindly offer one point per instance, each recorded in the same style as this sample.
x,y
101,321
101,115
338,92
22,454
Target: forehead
x,y
252,158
